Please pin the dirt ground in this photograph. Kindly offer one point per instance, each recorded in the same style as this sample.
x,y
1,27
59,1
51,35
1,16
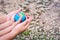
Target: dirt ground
x,y
46,18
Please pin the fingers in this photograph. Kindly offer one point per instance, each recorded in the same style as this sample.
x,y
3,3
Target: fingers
x,y
29,20
2,18
8,36
6,30
12,13
19,21
9,17
24,23
20,27
6,24
26,27
12,34
2,32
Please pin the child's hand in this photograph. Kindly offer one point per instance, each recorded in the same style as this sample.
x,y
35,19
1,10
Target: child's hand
x,y
12,14
10,29
4,18
7,20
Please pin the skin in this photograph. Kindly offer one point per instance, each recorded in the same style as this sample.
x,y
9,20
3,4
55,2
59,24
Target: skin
x,y
2,18
9,29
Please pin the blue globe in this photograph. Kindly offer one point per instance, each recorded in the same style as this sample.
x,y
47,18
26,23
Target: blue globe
x,y
17,16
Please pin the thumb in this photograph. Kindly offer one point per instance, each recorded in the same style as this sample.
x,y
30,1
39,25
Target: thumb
x,y
12,13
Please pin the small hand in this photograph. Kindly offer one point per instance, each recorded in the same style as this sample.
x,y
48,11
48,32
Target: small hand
x,y
11,28
8,19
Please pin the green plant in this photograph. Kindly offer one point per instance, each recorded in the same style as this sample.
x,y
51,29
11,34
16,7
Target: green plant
x,y
26,32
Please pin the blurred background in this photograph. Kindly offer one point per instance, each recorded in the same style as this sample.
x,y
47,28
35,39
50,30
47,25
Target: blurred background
x,y
46,18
